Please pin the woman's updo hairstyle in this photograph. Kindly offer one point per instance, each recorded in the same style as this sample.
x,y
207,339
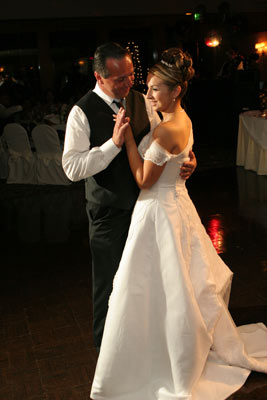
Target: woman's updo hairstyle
x,y
174,68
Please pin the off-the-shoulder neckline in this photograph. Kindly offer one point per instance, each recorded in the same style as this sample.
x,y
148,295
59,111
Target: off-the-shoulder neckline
x,y
166,151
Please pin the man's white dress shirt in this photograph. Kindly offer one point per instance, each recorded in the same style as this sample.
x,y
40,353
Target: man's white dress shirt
x,y
79,162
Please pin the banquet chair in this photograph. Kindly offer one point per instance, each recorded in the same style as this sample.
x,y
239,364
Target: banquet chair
x,y
21,160
49,156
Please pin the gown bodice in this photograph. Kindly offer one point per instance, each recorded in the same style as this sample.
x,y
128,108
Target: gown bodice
x,y
170,178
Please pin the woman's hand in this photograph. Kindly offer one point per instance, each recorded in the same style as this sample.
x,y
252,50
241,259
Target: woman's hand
x,y
122,130
189,167
128,135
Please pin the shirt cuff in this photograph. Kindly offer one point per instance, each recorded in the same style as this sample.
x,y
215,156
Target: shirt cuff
x,y
110,149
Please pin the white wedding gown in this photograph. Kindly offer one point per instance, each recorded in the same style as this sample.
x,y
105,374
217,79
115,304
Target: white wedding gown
x,y
168,332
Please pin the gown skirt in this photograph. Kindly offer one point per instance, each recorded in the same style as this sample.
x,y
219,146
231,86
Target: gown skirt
x,y
168,333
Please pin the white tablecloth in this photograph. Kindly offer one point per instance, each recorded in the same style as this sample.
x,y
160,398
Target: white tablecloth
x,y
252,142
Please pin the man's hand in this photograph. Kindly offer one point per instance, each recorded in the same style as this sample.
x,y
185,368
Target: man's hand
x,y
189,167
120,128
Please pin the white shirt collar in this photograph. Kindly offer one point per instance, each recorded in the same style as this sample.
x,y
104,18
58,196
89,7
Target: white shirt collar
x,y
104,96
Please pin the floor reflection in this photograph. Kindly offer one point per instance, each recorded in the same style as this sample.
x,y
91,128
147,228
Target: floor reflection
x,y
216,232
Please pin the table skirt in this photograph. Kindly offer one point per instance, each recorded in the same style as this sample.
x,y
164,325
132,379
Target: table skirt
x,y
251,155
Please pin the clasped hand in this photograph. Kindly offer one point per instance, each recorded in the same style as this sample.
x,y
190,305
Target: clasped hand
x,y
122,131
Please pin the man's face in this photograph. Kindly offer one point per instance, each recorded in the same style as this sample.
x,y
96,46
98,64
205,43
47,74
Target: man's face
x,y
121,77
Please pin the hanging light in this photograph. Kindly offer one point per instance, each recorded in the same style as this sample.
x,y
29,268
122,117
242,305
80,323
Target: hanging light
x,y
213,39
261,47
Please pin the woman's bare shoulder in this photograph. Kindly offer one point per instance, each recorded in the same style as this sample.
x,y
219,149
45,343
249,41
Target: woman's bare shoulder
x,y
173,135
163,129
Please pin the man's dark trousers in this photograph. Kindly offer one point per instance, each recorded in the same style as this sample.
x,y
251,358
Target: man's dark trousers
x,y
108,230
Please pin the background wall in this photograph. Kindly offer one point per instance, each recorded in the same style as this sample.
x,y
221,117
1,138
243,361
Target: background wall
x,y
51,44
29,9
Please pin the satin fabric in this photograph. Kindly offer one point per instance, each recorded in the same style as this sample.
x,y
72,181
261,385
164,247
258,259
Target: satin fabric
x,y
168,332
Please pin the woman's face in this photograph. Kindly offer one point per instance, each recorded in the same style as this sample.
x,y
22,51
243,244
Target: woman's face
x,y
159,94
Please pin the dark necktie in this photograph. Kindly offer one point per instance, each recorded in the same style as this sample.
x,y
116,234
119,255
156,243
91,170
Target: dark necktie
x,y
118,104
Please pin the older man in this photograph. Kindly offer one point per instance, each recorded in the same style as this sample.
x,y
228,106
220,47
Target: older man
x,y
94,152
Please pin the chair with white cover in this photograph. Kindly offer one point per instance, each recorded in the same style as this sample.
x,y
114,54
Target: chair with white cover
x,y
21,160
49,156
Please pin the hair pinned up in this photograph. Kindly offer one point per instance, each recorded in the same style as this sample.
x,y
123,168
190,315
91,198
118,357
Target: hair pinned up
x,y
175,68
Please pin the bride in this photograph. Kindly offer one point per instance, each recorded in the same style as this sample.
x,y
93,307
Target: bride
x,y
168,333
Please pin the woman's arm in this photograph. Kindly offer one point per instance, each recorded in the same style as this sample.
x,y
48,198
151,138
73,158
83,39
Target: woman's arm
x,y
146,173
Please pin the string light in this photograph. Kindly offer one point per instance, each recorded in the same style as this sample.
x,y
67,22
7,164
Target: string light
x,y
133,49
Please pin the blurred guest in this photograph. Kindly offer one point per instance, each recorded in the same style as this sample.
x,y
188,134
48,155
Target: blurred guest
x,y
8,112
233,63
2,79
50,104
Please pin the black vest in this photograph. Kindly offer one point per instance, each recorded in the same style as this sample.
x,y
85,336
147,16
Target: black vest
x,y
114,186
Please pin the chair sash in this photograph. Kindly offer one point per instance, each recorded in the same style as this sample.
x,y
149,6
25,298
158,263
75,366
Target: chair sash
x,y
46,158
15,155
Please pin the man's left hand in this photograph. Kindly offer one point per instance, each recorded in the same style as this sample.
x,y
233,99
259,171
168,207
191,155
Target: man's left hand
x,y
189,167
